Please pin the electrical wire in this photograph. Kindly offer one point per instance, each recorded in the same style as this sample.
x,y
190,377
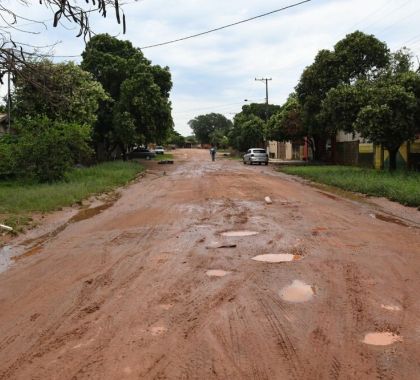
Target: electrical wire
x,y
226,26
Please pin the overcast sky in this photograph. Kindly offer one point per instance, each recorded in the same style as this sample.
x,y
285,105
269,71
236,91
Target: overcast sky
x,y
216,72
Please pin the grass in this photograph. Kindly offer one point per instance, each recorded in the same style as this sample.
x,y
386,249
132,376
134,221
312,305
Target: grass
x,y
400,186
19,199
165,156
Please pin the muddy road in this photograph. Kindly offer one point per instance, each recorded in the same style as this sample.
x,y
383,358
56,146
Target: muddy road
x,y
151,288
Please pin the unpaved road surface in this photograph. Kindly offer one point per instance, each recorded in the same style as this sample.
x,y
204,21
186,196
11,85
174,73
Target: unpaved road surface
x,y
124,294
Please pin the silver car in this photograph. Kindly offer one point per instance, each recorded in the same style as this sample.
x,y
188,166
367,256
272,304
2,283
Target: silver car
x,y
256,155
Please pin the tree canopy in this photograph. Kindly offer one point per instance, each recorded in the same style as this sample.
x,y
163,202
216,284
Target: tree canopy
x,y
61,91
138,110
210,128
357,56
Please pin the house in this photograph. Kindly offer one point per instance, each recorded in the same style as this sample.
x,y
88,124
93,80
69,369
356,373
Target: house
x,y
351,149
289,150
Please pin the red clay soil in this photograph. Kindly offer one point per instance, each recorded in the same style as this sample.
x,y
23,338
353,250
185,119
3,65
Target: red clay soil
x,y
124,294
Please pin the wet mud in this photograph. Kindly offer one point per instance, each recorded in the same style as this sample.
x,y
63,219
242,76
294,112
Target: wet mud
x,y
133,292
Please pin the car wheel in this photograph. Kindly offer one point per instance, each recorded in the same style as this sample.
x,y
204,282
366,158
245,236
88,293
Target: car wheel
x,y
259,163
266,163
244,162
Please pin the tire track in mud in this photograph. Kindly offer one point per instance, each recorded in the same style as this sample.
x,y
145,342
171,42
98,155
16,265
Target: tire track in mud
x,y
86,303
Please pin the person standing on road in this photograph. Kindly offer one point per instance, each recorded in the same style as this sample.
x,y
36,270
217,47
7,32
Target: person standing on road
x,y
213,152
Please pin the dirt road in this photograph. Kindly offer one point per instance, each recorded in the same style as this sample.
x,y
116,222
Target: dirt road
x,y
126,293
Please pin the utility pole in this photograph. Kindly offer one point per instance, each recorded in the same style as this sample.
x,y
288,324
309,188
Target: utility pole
x,y
266,98
266,87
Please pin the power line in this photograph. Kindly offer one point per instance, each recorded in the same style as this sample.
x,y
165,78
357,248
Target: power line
x,y
226,26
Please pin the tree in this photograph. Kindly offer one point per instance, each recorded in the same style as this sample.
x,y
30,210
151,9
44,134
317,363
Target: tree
x,y
360,56
73,95
44,149
357,56
286,124
175,138
389,119
139,110
341,106
210,127
262,110
247,132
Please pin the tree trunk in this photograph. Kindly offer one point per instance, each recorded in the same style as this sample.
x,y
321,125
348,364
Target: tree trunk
x,y
392,158
320,151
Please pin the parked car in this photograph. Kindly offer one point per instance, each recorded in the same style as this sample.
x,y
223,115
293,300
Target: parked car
x,y
141,153
159,150
256,155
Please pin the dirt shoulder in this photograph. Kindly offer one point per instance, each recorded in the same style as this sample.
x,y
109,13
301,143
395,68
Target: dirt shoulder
x,y
126,293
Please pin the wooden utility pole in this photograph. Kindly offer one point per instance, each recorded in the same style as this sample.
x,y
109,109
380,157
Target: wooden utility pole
x,y
266,94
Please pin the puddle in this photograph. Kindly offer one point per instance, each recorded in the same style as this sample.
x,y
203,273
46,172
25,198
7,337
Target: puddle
x,y
298,291
390,219
239,233
381,338
166,306
5,257
90,212
277,257
391,307
216,273
158,330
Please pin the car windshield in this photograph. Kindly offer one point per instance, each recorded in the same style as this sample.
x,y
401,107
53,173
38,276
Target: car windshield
x,y
159,147
259,151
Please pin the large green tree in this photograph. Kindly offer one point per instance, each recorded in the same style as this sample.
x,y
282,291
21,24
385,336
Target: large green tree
x,y
357,56
248,131
389,119
139,110
210,128
286,124
384,109
60,91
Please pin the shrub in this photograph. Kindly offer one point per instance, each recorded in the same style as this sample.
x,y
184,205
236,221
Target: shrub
x,y
46,149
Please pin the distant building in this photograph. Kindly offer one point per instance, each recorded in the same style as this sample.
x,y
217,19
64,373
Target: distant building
x,y
351,149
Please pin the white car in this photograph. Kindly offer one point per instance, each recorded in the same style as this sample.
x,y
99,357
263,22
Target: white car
x,y
256,155
159,150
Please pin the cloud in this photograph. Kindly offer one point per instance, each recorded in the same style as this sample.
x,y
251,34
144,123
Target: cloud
x,y
215,72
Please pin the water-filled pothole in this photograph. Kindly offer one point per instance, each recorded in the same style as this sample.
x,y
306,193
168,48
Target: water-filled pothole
x,y
391,307
239,233
158,330
277,257
381,338
298,291
5,255
217,273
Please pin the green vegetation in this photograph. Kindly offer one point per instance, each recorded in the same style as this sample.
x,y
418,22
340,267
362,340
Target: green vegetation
x,y
17,199
400,186
166,156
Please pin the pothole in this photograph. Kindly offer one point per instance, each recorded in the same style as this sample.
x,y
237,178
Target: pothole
x,y
298,291
239,233
381,338
277,257
391,307
158,330
217,273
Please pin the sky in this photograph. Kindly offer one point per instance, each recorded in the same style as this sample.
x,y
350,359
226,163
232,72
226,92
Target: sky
x,y
216,72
